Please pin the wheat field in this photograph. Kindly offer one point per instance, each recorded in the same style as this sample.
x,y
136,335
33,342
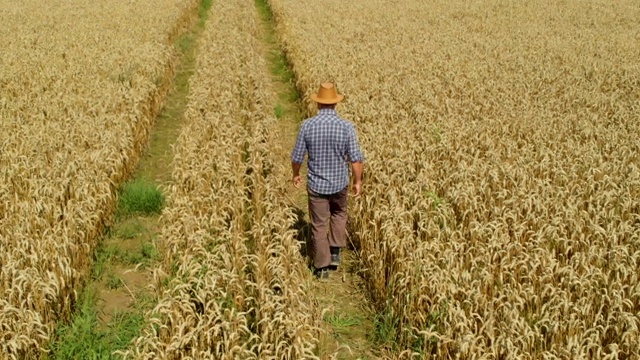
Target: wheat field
x,y
233,285
501,218
81,83
501,212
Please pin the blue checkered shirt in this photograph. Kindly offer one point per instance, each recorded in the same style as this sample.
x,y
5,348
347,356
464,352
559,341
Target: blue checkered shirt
x,y
331,143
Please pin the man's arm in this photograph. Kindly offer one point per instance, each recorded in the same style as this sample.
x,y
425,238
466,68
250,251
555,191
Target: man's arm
x,y
297,180
357,160
357,168
297,156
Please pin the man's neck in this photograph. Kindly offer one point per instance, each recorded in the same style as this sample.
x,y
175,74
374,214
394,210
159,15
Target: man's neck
x,y
326,107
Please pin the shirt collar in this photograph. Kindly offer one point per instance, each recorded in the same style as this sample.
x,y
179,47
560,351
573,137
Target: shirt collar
x,y
327,112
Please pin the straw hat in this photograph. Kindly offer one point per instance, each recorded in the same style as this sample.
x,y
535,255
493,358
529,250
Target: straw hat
x,y
327,95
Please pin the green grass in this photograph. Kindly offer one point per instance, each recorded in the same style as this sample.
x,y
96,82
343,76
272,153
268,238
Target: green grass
x,y
184,43
385,329
203,12
140,197
131,258
82,338
148,251
280,67
107,255
157,164
145,255
131,229
437,134
114,282
279,111
85,335
423,345
436,201
341,322
103,257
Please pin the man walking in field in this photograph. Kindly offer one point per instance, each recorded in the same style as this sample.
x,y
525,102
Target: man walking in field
x,y
331,144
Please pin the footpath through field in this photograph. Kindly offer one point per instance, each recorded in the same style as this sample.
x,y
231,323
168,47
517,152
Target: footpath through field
x,y
113,313
347,319
111,307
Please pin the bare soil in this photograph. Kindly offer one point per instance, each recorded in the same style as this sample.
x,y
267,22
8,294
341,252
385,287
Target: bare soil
x,y
347,321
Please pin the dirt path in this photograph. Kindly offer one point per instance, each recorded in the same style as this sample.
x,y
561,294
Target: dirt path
x,y
138,233
110,308
347,319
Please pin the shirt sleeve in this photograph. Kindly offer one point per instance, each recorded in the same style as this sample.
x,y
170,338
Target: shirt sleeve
x,y
300,149
353,150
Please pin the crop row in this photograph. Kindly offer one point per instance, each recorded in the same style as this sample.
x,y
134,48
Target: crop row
x,y
81,83
501,213
232,285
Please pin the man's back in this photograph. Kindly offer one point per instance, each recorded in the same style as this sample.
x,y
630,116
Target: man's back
x,y
331,143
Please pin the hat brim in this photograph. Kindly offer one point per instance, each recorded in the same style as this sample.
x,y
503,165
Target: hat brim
x,y
330,101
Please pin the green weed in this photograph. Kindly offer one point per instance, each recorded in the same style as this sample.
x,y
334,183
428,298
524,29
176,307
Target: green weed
x,y
341,322
278,111
103,256
83,339
80,339
436,201
385,328
114,282
140,197
131,229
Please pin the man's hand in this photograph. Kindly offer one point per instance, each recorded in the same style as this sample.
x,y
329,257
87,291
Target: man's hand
x,y
357,188
357,168
297,180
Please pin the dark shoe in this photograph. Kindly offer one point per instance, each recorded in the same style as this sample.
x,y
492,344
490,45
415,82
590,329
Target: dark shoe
x,y
335,260
321,273
335,256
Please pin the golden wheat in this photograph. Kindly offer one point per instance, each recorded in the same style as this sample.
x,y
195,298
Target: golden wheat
x,y
238,288
501,213
81,83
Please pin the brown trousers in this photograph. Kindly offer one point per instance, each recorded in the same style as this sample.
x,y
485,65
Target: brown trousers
x,y
323,208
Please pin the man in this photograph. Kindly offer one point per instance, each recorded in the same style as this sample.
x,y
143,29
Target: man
x,y
331,144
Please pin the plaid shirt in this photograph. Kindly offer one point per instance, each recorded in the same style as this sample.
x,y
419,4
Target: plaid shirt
x,y
331,143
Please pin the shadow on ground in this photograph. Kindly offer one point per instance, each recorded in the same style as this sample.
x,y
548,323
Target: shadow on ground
x,y
303,232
